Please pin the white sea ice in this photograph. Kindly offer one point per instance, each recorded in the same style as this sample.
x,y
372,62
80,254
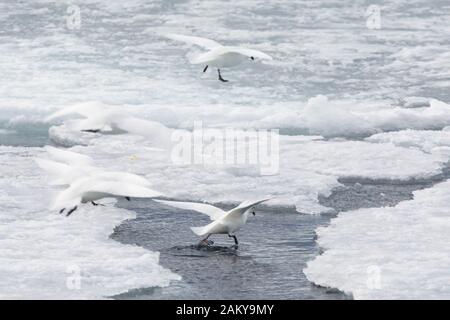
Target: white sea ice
x,y
415,102
396,252
436,142
341,118
308,167
319,115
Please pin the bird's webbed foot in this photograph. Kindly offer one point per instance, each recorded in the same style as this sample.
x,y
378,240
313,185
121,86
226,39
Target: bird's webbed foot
x,y
205,242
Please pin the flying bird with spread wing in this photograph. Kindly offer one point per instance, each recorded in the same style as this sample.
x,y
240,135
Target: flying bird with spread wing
x,y
91,189
217,55
87,183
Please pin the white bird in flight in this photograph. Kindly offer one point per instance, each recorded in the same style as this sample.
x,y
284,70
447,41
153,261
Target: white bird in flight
x,y
78,165
218,55
70,157
88,183
66,174
110,119
224,222
91,189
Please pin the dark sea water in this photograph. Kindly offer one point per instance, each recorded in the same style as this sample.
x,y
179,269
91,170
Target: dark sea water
x,y
275,246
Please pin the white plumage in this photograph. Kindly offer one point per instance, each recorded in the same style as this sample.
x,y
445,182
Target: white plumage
x,y
224,222
218,55
91,189
107,119
87,183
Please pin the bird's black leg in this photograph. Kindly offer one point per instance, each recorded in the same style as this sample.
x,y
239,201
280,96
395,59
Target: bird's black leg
x,y
91,130
206,241
220,77
128,198
97,204
235,239
206,68
71,210
62,210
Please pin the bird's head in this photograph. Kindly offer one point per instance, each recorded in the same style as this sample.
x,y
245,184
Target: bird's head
x,y
252,211
253,58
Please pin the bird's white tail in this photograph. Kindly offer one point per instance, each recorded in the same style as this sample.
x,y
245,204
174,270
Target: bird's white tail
x,y
200,231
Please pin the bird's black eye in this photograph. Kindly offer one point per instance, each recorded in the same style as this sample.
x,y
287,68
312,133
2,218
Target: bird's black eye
x,y
252,58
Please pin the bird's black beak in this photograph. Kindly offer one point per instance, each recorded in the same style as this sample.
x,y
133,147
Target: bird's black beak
x,y
253,58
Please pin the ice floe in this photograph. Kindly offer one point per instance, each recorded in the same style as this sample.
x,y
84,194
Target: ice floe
x,y
396,252
308,167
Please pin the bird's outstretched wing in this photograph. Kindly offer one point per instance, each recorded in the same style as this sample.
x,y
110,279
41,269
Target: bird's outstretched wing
x,y
68,156
123,189
83,187
251,203
249,52
92,123
207,57
120,176
201,42
89,110
244,206
52,167
83,109
63,174
213,212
